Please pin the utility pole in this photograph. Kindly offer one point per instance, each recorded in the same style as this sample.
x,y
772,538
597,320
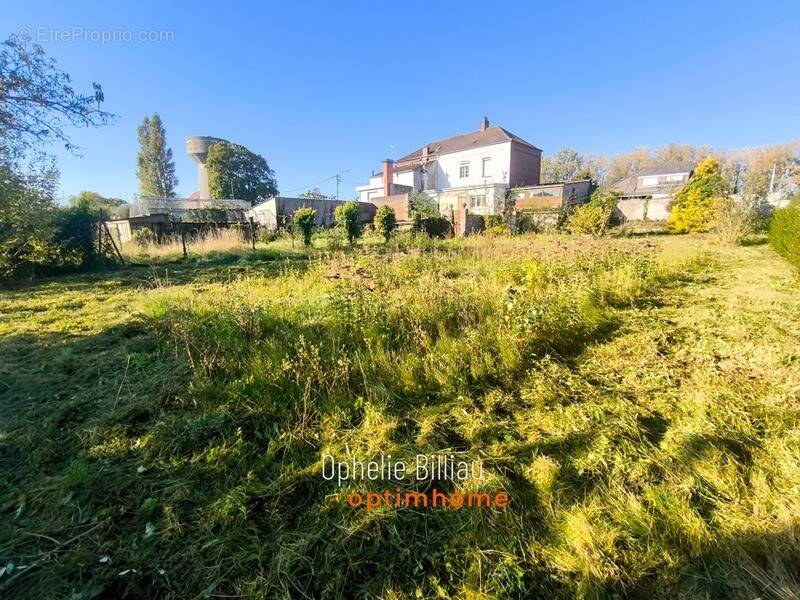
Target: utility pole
x,y
338,180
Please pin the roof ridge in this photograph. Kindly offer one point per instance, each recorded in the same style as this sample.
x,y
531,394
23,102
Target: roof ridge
x,y
452,137
494,134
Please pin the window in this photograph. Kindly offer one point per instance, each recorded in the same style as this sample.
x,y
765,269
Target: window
x,y
463,170
552,192
486,164
649,181
477,201
675,177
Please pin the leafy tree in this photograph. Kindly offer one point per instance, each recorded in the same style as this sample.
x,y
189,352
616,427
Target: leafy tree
x,y
348,218
75,228
313,194
697,202
235,170
423,206
37,102
568,165
385,221
37,235
304,221
108,207
26,209
154,166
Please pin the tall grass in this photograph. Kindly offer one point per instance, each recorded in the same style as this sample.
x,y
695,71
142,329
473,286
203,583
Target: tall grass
x,y
220,240
643,456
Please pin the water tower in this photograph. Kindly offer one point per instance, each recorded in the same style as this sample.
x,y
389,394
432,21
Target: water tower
x,y
197,147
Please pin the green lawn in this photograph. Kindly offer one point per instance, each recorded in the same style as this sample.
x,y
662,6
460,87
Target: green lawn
x,y
162,427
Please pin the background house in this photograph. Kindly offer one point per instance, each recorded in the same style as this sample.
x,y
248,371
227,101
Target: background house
x,y
648,194
473,169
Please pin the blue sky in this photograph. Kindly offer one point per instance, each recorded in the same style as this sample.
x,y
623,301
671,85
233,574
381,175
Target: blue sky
x,y
324,87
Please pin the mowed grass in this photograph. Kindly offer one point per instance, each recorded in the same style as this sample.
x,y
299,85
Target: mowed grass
x,y
162,428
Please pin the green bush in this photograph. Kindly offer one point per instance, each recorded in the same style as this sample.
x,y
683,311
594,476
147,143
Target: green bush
x,y
39,237
424,206
588,218
385,221
526,223
75,236
267,235
784,232
143,237
335,239
304,221
495,225
348,218
595,216
435,227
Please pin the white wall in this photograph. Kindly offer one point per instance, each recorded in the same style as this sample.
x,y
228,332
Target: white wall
x,y
650,209
446,171
366,192
494,199
404,178
447,166
265,213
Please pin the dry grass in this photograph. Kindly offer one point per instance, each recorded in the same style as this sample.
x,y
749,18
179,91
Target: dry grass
x,y
222,240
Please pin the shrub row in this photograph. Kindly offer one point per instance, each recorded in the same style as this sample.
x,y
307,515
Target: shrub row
x,y
784,232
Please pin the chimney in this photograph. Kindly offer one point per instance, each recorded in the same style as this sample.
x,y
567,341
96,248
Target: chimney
x,y
388,176
484,124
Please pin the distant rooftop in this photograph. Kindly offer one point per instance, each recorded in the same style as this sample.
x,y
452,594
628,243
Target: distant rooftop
x,y
669,168
632,186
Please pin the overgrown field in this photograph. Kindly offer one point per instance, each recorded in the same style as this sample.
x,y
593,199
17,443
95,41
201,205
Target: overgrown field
x,y
162,429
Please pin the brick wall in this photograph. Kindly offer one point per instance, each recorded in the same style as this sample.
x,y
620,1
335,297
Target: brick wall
x,y
399,202
526,165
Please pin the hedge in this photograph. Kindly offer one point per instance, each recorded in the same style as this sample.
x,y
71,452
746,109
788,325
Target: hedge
x,y
784,232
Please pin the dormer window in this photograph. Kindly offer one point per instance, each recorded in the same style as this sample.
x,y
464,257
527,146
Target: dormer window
x,y
463,170
654,180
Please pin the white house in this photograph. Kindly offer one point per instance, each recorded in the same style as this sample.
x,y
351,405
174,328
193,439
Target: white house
x,y
472,169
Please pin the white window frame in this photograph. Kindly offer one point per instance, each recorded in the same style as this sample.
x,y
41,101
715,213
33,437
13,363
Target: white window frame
x,y
463,170
485,162
649,181
477,201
